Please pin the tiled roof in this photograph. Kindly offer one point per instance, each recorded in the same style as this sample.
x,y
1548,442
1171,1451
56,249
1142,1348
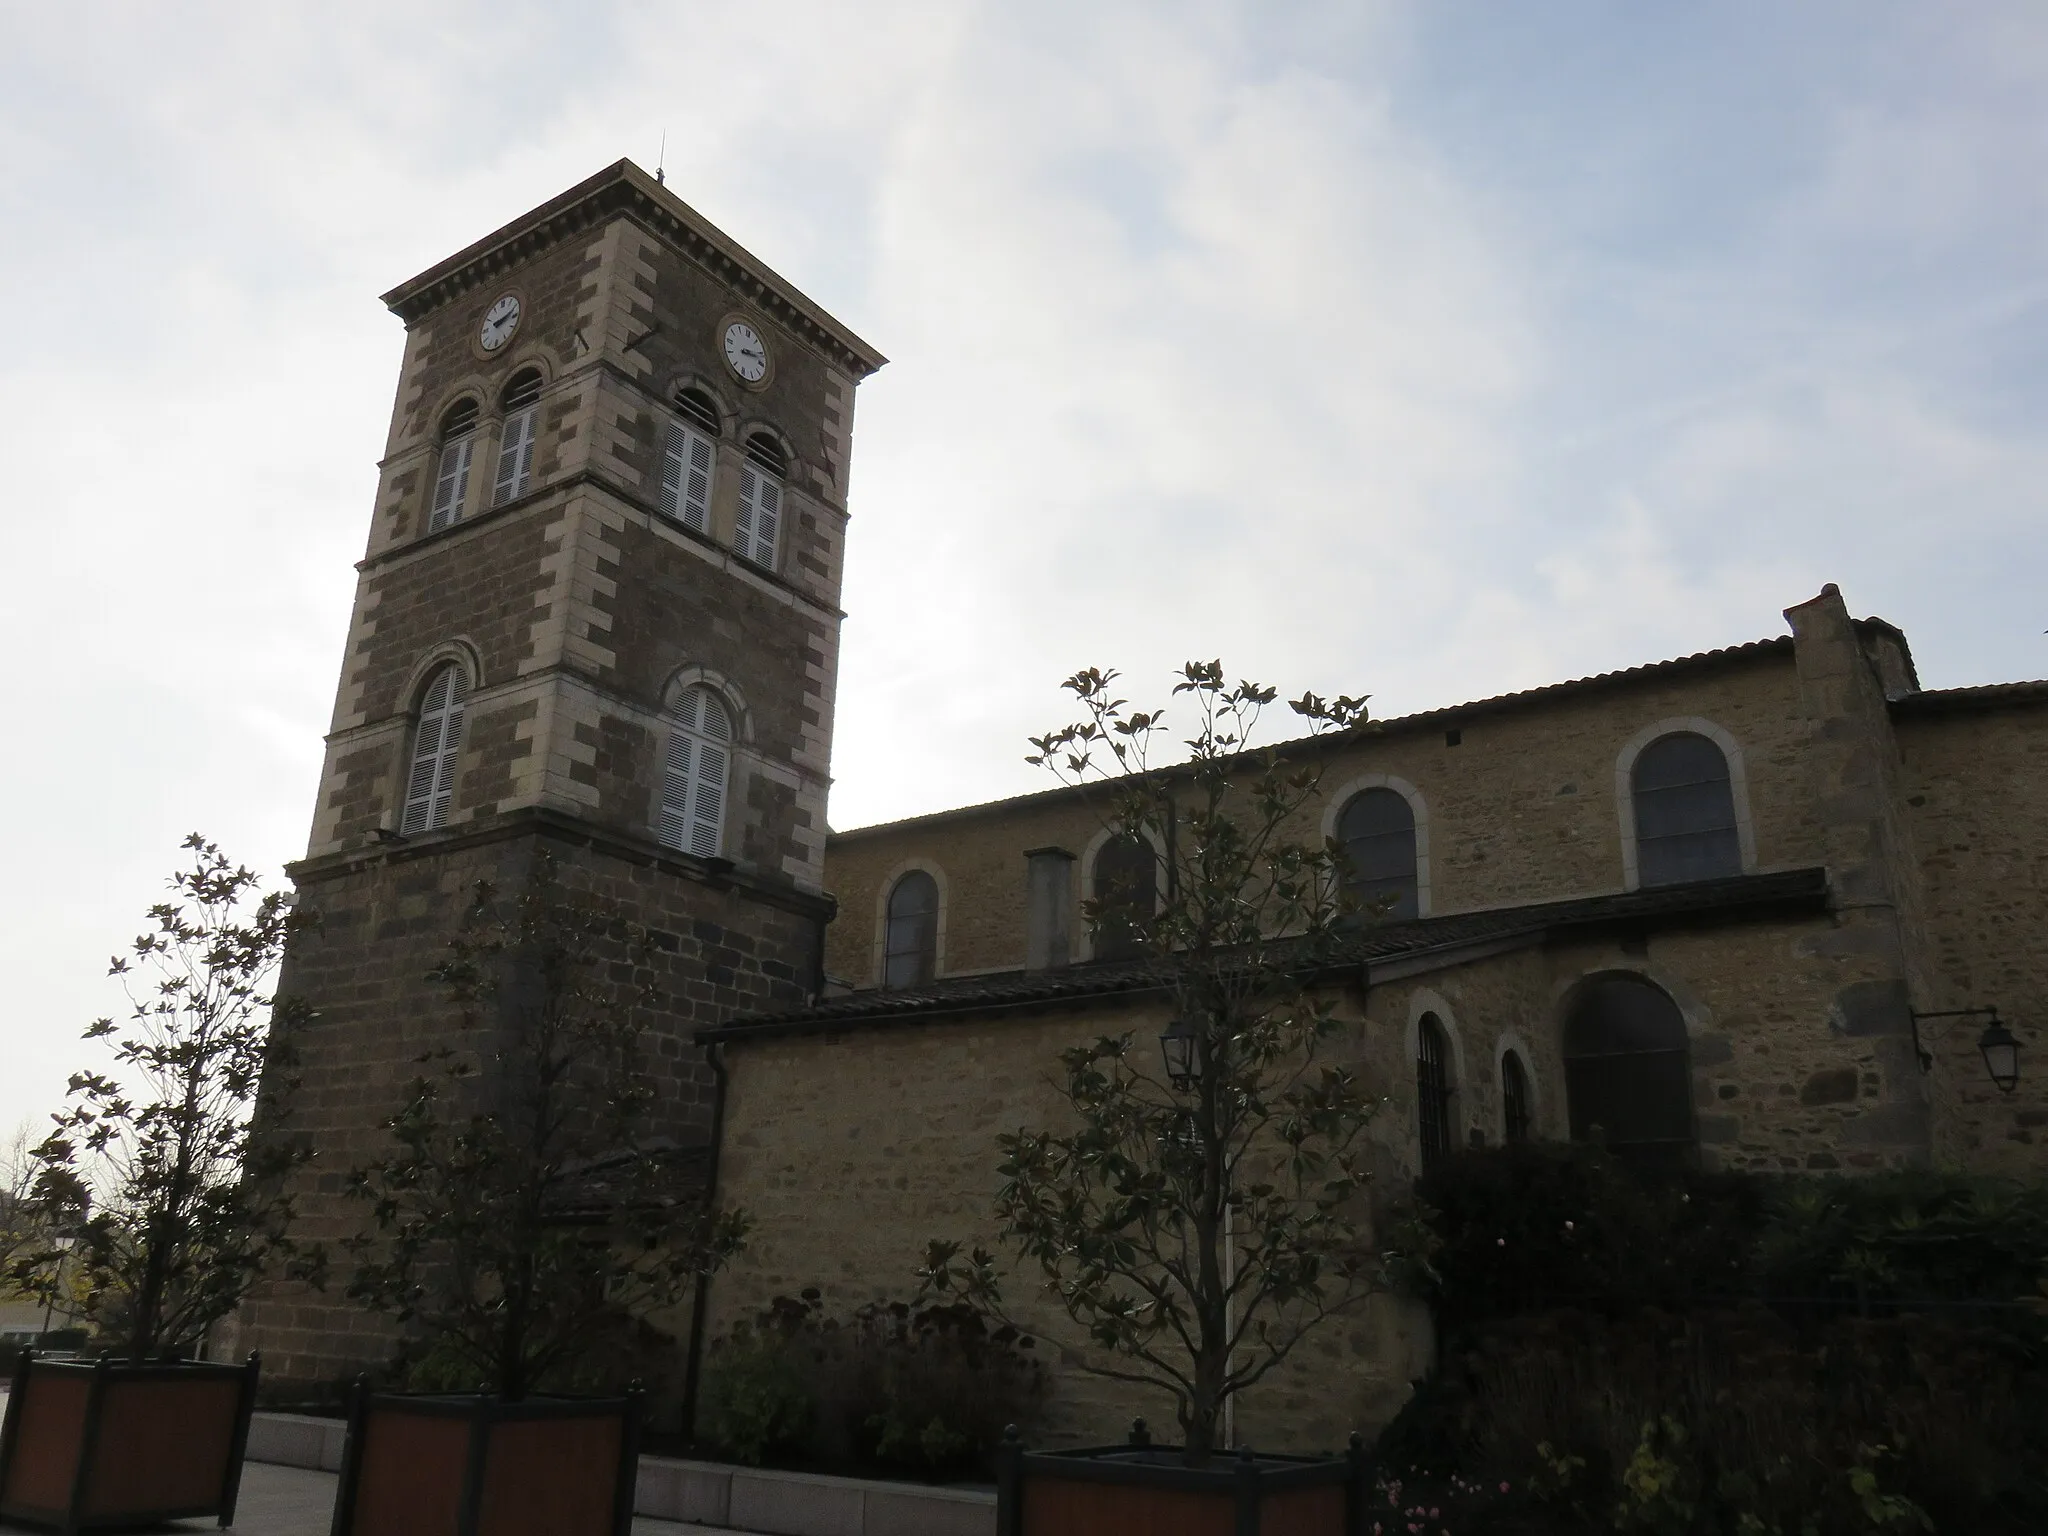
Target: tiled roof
x,y
1450,714
1385,944
1948,701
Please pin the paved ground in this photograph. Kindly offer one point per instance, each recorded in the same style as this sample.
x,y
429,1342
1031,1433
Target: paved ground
x,y
287,1501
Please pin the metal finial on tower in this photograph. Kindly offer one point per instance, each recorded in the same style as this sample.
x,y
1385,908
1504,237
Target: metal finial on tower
x,y
661,161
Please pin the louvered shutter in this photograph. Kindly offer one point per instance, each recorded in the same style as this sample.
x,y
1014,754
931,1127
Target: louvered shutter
x,y
760,516
707,807
451,484
673,826
430,785
515,455
686,478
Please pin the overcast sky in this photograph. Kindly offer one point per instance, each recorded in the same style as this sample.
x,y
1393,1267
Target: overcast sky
x,y
1427,351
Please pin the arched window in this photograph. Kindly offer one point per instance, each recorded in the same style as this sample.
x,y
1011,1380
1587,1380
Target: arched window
x,y
687,459
1515,1120
1628,1072
1685,812
910,949
522,420
436,742
694,771
1125,890
1432,1090
1377,829
760,514
451,477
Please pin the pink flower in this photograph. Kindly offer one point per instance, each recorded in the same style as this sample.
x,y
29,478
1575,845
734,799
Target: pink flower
x,y
1500,1242
1503,1487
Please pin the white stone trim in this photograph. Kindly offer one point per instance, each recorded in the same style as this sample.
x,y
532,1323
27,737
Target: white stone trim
x,y
1083,939
459,648
1511,1040
1419,807
1421,1001
882,894
1624,789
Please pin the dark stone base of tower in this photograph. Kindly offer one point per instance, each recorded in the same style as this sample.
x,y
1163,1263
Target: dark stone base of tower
x,y
723,945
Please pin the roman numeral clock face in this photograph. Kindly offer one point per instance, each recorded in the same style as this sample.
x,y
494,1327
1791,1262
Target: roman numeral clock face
x,y
745,352
500,321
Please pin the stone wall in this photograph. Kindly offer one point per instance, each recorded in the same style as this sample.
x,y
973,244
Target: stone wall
x,y
1976,783
1523,808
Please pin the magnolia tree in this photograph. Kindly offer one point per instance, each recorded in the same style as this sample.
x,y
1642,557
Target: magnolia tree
x,y
523,1210
161,1194
1200,1212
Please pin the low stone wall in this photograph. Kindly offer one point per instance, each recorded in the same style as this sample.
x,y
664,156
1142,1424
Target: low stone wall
x,y
709,1492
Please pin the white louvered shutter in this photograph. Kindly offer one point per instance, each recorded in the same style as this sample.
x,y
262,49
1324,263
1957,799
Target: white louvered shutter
x,y
451,484
686,478
430,786
695,768
760,516
515,454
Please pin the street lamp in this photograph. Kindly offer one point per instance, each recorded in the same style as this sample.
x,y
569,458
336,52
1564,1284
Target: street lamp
x,y
1999,1047
1177,1045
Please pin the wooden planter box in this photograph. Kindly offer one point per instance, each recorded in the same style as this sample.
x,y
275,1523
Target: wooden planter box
x,y
94,1446
1141,1489
432,1464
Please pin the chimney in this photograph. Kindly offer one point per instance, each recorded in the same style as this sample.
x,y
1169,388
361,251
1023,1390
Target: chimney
x,y
1048,908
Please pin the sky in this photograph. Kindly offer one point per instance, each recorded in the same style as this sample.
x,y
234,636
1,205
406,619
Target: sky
x,y
1420,350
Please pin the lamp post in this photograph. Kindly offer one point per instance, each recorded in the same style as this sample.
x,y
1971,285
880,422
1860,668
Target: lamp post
x,y
1999,1047
1177,1045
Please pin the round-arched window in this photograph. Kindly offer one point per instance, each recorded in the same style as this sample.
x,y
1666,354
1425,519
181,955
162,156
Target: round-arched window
x,y
1125,892
1628,1071
1685,811
695,767
1432,1090
1515,1119
1377,829
910,949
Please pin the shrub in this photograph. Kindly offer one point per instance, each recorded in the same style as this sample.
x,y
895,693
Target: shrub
x,y
924,1390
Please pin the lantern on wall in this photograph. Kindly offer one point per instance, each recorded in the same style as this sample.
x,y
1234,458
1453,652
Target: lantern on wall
x,y
1999,1047
1177,1045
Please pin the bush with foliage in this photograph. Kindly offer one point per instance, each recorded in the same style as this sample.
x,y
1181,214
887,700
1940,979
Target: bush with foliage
x,y
1694,1353
920,1390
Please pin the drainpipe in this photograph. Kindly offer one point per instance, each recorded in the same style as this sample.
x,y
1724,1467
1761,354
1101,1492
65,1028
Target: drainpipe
x,y
694,1368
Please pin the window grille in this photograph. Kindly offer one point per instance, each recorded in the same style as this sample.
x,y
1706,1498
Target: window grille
x,y
696,407
515,448
451,476
1685,812
1432,1091
695,768
436,742
1125,888
1377,829
760,511
910,950
1628,1072
1514,1098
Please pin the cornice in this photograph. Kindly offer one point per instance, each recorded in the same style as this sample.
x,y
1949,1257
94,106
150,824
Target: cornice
x,y
624,189
541,821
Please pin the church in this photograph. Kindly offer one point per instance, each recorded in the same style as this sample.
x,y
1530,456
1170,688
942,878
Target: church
x,y
1772,907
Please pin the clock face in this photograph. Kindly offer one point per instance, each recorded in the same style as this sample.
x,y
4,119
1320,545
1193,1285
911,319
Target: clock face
x,y
500,321
746,352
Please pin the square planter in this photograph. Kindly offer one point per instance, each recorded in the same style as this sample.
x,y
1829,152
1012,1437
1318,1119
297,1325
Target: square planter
x,y
99,1445
436,1464
1141,1489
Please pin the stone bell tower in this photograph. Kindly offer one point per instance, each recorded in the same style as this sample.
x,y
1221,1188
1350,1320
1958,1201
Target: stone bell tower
x,y
598,614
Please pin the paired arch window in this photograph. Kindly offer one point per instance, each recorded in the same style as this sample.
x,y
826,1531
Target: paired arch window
x,y
1125,890
687,460
695,767
1516,1122
522,421
1433,1089
436,742
1628,1071
762,473
1377,829
451,474
910,947
1685,811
